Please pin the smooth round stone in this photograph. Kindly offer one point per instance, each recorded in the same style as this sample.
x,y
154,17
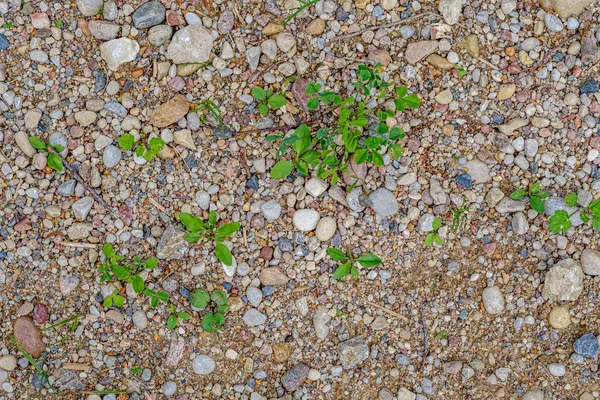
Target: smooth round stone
x,y
553,23
254,296
384,202
306,220
140,320
559,317
533,394
111,156
271,210
89,8
590,262
8,362
326,229
557,369
169,388
203,199
157,35
148,15
493,300
203,365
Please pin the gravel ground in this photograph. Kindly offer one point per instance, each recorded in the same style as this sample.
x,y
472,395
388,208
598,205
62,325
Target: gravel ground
x,y
504,308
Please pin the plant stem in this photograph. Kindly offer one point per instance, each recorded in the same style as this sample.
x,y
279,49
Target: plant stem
x,y
303,7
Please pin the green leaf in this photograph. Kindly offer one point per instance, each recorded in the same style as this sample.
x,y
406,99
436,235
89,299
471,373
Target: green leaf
x,y
223,254
596,222
121,272
212,218
336,254
151,263
313,103
401,91
163,296
156,144
377,159
118,300
227,230
150,292
313,88
438,240
107,301
276,101
518,194
437,223
192,223
172,321
396,133
412,100
138,284
199,298
223,308
263,108
37,143
533,189
400,104
154,302
258,93
302,167
571,199
542,194
192,237
327,97
359,121
360,156
136,370
281,170
219,297
429,239
559,222
537,204
342,271
337,100
212,322
108,250
354,272
369,260
139,151
126,141
183,315
58,148
55,162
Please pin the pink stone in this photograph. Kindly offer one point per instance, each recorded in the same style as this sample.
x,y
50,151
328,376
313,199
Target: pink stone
x,y
40,21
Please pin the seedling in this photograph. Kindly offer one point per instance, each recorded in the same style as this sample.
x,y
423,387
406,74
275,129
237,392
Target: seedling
x,y
155,145
136,370
560,222
267,98
458,213
536,196
348,263
217,300
8,25
461,72
175,316
442,335
434,237
74,321
304,4
208,231
33,362
330,148
54,160
211,107
155,297
114,299
58,23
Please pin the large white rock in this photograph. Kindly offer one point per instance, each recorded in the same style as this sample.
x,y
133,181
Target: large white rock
x,y
191,44
306,220
119,51
564,281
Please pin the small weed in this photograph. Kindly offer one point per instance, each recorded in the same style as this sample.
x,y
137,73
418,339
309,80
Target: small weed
x,y
339,314
208,231
442,335
560,222
348,263
217,300
8,25
267,98
461,72
175,316
74,321
54,160
32,361
155,145
458,213
58,23
304,4
136,370
434,237
211,107
536,196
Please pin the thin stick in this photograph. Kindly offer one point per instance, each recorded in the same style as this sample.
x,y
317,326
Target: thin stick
x,y
489,64
79,245
158,205
552,51
77,367
375,28
392,313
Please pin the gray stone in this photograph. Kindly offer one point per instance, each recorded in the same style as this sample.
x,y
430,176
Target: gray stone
x,y
172,245
451,10
139,319
271,210
203,365
67,188
554,204
148,15
384,202
564,281
295,377
158,35
437,193
254,296
587,346
493,300
253,317
533,394
405,394
79,230
89,8
426,223
119,51
520,225
320,320
203,199
253,57
316,187
553,23
416,51
82,207
111,156
479,171
103,30
306,220
353,200
557,369
169,388
590,262
352,352
8,362
22,140
192,44
508,205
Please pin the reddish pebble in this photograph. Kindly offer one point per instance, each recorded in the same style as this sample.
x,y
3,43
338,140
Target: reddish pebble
x,y
266,253
40,313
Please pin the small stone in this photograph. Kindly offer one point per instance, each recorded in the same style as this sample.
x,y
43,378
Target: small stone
x,y
556,369
566,8
253,57
271,210
320,320
295,377
416,51
8,362
444,97
440,62
203,365
493,300
82,207
103,30
29,336
119,51
316,27
465,180
553,23
316,186
405,394
273,276
169,388
325,229
533,394
384,203
506,91
203,199
22,140
172,245
589,86
520,225
184,138
192,44
170,112
111,156
254,296
79,230
451,10
352,352
159,34
564,281
253,317
306,220
139,319
452,367
148,15
590,262
89,8
587,346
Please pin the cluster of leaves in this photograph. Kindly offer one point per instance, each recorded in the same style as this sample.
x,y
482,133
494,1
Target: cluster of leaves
x,y
113,268
560,222
267,98
461,72
434,236
360,133
8,25
175,316
54,160
535,194
208,231
216,302
149,151
348,263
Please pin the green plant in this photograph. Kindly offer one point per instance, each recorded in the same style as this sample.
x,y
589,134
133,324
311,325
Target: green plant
x,y
208,231
360,132
54,160
136,370
434,236
209,106
458,213
58,23
267,98
155,145
560,222
348,263
536,196
74,321
114,299
442,335
217,299
460,71
8,25
175,316
33,362
304,4
155,297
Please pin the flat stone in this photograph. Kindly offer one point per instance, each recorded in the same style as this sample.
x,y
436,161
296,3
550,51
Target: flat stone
x,y
559,317
326,228
316,186
148,15
22,140
184,138
444,97
479,171
172,245
384,202
440,62
566,8
89,8
320,320
79,231
508,205
120,51
416,51
253,317
103,30
295,377
493,300
170,112
29,336
192,44
352,352
203,365
82,207
273,276
85,117
451,10
306,220
564,281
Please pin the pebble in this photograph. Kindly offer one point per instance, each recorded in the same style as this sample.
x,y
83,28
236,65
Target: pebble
x,y
82,207
383,202
149,14
111,156
117,52
140,320
271,210
203,365
89,8
191,44
253,317
559,317
352,352
564,281
326,228
169,388
587,346
493,300
306,220
295,377
590,262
